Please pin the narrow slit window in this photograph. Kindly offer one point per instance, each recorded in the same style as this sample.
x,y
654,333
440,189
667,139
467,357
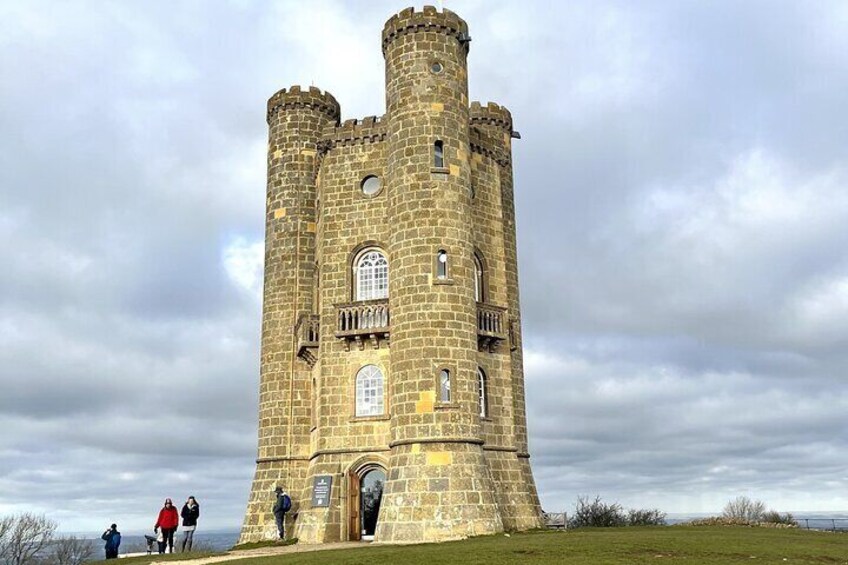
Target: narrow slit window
x,y
438,154
442,264
481,384
444,386
478,279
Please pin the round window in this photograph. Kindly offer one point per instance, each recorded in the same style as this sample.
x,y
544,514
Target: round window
x,y
371,185
436,67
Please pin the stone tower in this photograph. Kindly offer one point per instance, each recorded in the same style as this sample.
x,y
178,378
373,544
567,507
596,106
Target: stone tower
x,y
392,387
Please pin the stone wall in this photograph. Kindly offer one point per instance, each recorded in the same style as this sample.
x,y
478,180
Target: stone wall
x,y
451,472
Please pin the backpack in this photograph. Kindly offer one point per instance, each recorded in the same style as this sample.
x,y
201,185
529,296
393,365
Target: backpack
x,y
286,503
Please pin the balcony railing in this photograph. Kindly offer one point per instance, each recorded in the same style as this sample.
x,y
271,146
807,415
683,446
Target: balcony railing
x,y
367,320
492,326
307,334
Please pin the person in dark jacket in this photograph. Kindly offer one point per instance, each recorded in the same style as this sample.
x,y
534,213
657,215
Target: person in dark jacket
x,y
112,537
168,520
281,506
190,514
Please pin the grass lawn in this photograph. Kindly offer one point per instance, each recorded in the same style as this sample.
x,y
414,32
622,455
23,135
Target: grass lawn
x,y
606,546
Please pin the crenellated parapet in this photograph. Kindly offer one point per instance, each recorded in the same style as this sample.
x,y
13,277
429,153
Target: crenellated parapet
x,y
297,98
484,143
371,129
491,115
428,19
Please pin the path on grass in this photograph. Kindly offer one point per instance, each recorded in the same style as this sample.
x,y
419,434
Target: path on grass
x,y
265,552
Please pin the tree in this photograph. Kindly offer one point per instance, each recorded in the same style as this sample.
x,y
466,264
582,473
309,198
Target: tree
x,y
745,509
24,537
72,551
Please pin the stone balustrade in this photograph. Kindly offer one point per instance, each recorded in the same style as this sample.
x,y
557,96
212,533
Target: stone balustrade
x,y
492,326
307,332
365,320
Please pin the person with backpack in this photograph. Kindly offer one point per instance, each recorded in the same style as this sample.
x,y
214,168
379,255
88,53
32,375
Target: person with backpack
x,y
281,507
112,537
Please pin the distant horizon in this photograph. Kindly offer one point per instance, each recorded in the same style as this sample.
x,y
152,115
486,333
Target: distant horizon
x,y
802,514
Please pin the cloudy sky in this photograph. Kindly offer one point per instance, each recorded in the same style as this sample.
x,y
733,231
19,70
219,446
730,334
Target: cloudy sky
x,y
682,198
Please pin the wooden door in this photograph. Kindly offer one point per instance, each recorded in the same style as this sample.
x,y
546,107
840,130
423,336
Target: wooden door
x,y
354,528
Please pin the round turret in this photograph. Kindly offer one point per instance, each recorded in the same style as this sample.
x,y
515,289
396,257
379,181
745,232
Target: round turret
x,y
435,426
297,98
427,20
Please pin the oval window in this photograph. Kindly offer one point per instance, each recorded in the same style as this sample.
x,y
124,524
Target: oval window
x,y
436,67
371,185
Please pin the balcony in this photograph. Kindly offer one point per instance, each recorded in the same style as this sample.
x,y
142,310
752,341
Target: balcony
x,y
362,322
307,334
492,326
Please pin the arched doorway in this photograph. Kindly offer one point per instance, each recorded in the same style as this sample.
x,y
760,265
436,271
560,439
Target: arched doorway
x,y
365,496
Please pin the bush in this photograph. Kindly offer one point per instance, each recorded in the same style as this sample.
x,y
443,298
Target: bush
x,y
745,509
645,517
596,514
599,514
774,517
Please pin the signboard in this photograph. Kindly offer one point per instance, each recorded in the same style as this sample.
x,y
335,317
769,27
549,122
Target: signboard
x,y
321,490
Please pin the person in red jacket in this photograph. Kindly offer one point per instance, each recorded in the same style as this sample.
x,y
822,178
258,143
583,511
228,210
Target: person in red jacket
x,y
168,520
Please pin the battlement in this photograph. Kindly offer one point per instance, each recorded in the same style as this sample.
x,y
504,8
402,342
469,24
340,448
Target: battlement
x,y
428,19
371,129
492,115
489,146
297,98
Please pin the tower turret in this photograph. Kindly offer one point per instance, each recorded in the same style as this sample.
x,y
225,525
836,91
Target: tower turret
x,y
441,488
296,119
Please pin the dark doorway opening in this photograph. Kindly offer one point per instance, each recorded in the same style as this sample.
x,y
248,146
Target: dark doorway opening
x,y
365,496
370,496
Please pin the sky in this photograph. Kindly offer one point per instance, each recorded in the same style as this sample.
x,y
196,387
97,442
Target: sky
x,y
682,200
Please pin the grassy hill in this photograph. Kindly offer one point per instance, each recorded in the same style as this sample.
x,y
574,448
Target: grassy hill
x,y
607,546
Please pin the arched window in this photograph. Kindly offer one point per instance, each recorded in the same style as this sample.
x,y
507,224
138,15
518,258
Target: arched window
x,y
444,386
442,264
369,391
478,279
481,385
371,275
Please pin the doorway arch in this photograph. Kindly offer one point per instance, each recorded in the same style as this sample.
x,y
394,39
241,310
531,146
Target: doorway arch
x,y
365,493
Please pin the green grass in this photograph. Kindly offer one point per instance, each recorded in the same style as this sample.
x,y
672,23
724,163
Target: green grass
x,y
607,546
702,545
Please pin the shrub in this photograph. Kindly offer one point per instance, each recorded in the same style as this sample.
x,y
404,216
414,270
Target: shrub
x,y
645,517
774,517
599,514
745,509
596,514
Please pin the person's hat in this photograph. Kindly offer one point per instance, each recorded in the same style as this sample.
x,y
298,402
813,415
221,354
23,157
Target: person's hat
x,y
278,489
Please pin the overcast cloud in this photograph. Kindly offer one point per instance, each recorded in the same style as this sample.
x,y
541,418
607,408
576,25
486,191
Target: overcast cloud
x,y
682,200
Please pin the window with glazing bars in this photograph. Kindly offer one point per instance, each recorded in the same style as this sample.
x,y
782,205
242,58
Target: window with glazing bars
x,y
369,391
372,276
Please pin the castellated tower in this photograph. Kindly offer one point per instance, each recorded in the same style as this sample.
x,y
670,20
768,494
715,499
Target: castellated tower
x,y
391,387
